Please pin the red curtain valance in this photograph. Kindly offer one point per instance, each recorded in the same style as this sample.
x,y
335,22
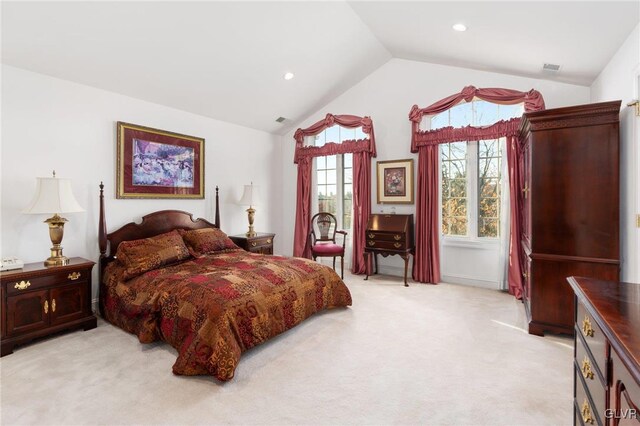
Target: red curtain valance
x,y
532,99
470,133
349,121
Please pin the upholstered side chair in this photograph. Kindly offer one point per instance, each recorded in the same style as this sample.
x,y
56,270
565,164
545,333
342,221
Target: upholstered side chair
x,y
322,239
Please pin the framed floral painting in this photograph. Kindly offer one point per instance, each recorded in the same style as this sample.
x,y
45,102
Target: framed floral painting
x,y
155,163
395,181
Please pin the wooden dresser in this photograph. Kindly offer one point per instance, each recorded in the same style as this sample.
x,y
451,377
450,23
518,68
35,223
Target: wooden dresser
x,y
571,207
607,352
389,234
39,300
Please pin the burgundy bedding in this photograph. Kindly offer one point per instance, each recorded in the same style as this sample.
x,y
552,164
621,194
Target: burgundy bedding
x,y
213,308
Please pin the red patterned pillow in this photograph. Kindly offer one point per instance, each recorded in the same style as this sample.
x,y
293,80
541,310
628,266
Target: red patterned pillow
x,y
207,240
140,256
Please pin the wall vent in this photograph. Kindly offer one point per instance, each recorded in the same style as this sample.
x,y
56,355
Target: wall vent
x,y
280,119
551,67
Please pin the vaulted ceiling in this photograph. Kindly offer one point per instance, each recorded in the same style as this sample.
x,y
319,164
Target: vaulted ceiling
x,y
226,60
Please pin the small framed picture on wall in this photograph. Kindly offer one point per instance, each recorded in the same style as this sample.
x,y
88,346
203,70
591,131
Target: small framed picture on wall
x,y
395,181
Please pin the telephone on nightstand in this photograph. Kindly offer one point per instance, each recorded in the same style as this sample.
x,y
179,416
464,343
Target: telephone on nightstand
x,y
9,263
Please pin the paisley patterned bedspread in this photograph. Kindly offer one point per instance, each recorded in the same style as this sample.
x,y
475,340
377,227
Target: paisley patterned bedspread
x,y
213,308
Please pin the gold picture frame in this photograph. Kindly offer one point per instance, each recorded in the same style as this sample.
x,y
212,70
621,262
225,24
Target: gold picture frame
x,y
395,181
154,163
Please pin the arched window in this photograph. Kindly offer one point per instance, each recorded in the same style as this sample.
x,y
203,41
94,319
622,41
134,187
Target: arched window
x,y
333,175
471,171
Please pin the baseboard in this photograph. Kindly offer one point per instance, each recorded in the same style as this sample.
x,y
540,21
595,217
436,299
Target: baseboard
x,y
471,281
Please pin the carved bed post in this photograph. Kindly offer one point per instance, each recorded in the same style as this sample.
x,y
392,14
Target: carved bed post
x,y
102,226
102,244
217,217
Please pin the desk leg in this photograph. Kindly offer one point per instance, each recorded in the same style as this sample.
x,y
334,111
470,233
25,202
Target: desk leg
x,y
375,257
367,259
406,265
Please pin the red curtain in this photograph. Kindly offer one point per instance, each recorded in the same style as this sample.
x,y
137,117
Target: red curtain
x,y
303,209
515,186
427,208
361,208
426,266
363,150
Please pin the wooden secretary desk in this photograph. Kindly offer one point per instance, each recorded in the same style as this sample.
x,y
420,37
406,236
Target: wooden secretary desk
x,y
388,235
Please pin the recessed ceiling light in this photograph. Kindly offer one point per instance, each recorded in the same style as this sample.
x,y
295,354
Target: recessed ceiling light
x,y
460,27
288,76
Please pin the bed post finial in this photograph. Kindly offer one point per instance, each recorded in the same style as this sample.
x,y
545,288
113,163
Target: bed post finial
x,y
102,225
217,217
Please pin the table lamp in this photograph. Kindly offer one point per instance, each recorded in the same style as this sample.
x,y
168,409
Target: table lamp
x,y
54,196
248,199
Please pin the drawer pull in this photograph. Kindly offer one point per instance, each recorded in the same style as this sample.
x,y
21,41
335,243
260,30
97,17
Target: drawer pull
x,y
397,237
372,235
587,373
586,412
269,241
46,306
397,245
53,305
253,244
74,276
587,329
22,285
371,243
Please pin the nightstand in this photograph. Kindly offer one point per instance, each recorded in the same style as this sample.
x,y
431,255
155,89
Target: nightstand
x,y
262,243
39,300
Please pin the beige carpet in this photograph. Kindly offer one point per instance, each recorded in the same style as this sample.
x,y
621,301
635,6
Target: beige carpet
x,y
425,354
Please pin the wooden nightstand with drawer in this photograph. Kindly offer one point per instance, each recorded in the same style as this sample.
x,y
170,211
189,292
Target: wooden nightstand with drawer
x,y
39,300
262,243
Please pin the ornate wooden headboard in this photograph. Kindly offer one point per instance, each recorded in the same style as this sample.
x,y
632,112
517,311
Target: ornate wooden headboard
x,y
152,224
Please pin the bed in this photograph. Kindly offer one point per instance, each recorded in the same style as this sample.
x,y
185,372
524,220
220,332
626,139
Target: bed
x,y
210,305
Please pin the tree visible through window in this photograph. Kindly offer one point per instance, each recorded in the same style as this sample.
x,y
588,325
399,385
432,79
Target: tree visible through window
x,y
334,175
470,171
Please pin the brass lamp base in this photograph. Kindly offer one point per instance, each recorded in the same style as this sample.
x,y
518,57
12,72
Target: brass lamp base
x,y
251,212
56,231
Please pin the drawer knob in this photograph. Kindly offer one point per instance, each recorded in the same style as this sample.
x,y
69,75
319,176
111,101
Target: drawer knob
x,y
269,241
53,305
253,244
46,306
587,417
22,285
73,276
372,235
397,245
587,329
371,243
587,373
397,237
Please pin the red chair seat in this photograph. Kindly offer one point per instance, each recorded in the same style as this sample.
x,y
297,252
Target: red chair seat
x,y
328,248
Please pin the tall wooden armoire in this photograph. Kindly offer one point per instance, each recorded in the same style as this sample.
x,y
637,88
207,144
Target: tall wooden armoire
x,y
571,206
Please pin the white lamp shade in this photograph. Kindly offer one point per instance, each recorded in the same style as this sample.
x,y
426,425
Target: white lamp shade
x,y
250,196
53,195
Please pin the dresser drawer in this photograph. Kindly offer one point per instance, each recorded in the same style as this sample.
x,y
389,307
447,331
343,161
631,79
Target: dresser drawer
x,y
263,241
386,245
586,411
385,236
588,366
592,387
594,339
63,277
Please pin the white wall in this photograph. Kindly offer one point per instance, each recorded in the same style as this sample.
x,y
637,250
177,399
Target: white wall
x,y
387,96
49,124
620,80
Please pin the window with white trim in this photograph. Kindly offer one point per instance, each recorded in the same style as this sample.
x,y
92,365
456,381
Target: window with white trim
x,y
470,172
333,175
